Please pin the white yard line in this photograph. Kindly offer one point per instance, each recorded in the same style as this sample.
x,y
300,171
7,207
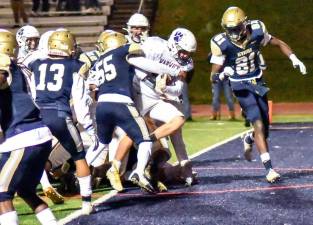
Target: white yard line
x,y
78,213
218,144
112,193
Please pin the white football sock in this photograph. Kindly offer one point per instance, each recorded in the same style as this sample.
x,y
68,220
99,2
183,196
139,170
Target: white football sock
x,y
44,181
46,217
85,185
143,156
9,218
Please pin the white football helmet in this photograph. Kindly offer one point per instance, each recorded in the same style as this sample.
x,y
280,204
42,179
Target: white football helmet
x,y
181,39
23,34
138,20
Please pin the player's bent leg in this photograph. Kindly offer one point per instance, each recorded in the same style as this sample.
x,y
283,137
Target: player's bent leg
x,y
182,156
170,127
259,136
84,179
261,143
168,113
248,140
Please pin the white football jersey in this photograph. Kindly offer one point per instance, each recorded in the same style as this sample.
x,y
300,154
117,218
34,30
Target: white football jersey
x,y
156,49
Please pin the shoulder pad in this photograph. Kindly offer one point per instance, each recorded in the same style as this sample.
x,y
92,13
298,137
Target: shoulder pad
x,y
154,44
135,49
218,44
257,25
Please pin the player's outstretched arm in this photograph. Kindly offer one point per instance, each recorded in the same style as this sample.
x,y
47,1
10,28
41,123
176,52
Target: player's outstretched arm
x,y
286,50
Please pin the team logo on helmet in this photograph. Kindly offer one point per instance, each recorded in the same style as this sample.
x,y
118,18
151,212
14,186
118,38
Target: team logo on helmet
x,y
178,36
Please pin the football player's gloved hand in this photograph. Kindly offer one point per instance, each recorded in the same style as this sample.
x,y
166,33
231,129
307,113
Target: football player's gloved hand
x,y
160,83
228,71
297,63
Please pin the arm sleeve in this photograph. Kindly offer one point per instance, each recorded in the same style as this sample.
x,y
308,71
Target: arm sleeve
x,y
217,55
80,102
152,66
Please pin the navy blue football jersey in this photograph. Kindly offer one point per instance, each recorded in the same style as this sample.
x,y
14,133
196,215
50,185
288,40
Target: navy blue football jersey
x,y
18,111
54,81
115,73
244,58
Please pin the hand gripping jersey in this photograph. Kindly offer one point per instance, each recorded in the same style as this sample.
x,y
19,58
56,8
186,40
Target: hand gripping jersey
x,y
20,120
244,59
89,58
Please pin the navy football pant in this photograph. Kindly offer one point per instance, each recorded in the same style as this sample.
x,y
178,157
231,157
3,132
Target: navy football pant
x,y
21,170
112,114
63,128
254,106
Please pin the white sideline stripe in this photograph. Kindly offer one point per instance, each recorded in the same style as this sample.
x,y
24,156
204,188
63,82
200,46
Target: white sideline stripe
x,y
112,193
218,144
78,213
215,145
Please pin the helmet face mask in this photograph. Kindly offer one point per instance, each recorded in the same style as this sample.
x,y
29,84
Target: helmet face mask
x,y
138,34
32,43
234,23
236,33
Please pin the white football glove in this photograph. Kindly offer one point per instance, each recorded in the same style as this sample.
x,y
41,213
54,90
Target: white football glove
x,y
227,72
160,83
297,63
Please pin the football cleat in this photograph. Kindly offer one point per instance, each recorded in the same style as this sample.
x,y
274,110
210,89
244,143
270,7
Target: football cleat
x,y
114,178
53,195
247,147
272,176
161,187
142,182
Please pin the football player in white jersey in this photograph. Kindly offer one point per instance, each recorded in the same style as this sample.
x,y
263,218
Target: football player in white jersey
x,y
163,103
238,49
158,96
